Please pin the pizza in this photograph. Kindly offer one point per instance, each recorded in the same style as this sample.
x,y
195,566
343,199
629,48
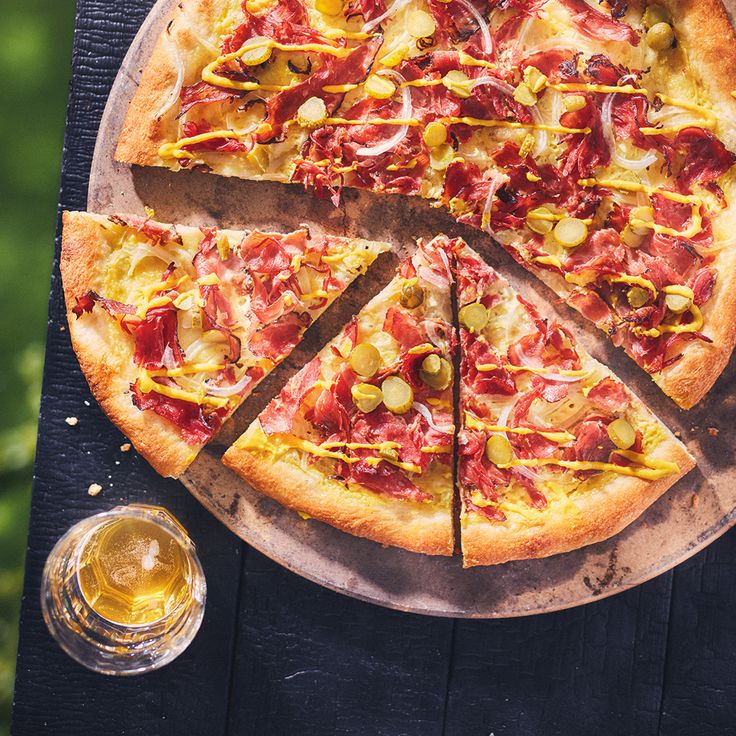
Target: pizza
x,y
363,436
554,451
174,326
592,140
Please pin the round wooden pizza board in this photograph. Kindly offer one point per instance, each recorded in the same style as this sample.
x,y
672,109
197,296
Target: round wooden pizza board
x,y
691,515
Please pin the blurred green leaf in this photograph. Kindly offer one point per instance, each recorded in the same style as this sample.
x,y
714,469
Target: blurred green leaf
x,y
35,59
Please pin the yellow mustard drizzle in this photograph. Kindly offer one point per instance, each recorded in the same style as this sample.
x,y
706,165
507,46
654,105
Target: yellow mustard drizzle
x,y
472,422
409,467
485,367
548,261
186,370
652,469
210,76
279,445
696,221
633,281
556,216
710,120
694,326
147,384
176,149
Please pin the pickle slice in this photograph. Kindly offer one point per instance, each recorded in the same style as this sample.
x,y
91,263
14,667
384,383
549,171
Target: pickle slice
x,y
365,359
398,395
411,296
366,396
440,380
474,316
622,434
499,450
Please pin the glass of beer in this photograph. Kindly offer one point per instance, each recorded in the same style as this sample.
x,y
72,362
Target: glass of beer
x,y
123,592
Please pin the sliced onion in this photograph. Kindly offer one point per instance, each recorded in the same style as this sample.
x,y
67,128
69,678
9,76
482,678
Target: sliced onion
x,y
206,342
446,261
436,330
229,125
500,85
168,254
527,360
504,414
231,390
406,113
496,181
395,7
173,98
523,31
485,31
542,137
527,473
168,358
632,164
555,105
427,414
558,378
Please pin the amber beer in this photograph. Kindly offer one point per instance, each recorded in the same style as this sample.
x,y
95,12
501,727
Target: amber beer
x,y
123,592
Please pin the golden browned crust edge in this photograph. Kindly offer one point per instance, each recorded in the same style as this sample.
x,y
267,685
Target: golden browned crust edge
x,y
384,520
142,133
692,377
708,37
603,513
108,373
705,31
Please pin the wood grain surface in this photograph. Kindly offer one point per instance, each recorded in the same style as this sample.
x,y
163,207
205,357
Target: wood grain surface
x,y
279,655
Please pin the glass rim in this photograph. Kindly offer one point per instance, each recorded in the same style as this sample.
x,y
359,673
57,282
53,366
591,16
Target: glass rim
x,y
165,520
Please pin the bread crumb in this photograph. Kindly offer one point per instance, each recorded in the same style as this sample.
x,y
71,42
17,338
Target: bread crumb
x,y
95,489
72,421
125,447
678,434
694,500
713,431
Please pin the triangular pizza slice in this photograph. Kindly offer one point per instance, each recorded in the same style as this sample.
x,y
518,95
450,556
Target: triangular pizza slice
x,y
554,451
362,438
174,326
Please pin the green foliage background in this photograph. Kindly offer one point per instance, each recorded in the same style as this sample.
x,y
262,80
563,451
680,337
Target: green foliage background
x,y
35,58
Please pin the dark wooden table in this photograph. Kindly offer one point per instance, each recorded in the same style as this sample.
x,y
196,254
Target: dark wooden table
x,y
279,655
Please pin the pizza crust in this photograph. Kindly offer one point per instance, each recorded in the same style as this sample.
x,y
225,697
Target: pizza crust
x,y
109,371
705,30
602,513
417,527
691,378
143,134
